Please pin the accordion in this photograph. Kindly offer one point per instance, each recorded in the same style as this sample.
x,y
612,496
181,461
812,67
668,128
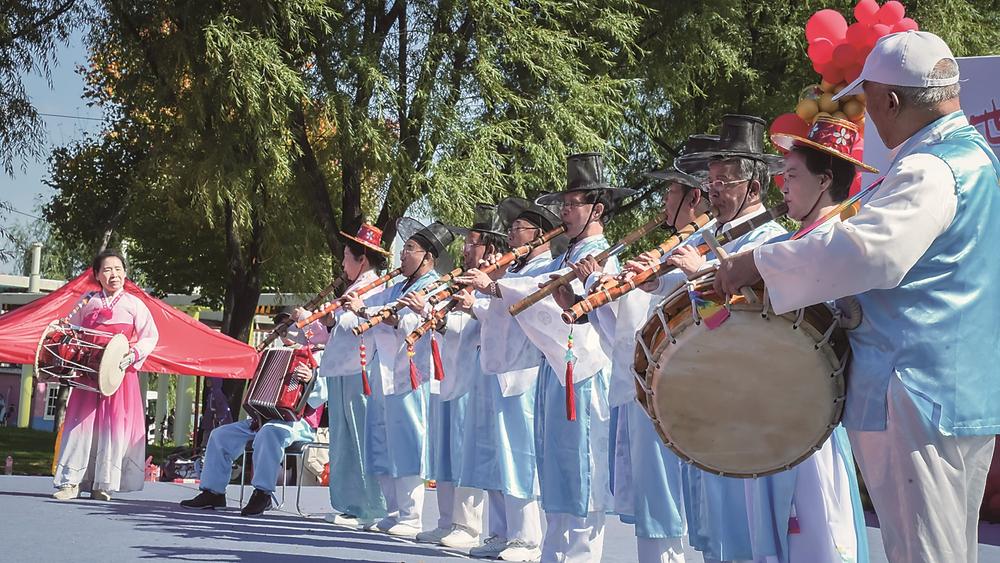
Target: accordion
x,y
275,392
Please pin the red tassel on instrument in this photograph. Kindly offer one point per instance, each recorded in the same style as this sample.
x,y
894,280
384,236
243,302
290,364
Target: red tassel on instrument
x,y
438,364
570,392
414,380
365,388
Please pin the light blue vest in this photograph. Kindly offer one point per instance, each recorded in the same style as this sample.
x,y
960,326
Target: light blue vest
x,y
939,329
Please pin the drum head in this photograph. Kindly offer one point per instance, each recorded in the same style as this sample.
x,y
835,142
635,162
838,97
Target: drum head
x,y
750,398
110,374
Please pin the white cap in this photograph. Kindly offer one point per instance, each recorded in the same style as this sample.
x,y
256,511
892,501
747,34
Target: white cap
x,y
903,59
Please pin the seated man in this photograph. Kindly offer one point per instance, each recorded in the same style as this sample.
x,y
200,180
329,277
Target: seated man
x,y
228,442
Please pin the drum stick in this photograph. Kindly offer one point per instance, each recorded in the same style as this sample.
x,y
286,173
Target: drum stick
x,y
748,293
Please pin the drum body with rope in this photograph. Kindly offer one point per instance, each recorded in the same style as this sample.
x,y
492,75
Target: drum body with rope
x,y
81,357
275,392
754,396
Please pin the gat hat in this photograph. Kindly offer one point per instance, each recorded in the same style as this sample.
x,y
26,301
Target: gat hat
x,y
906,58
585,173
485,219
541,216
369,237
513,208
835,137
694,143
740,136
434,238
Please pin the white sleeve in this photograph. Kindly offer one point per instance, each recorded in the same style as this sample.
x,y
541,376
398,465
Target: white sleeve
x,y
872,250
146,333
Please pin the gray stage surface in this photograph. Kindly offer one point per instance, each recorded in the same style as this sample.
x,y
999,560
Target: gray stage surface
x,y
149,525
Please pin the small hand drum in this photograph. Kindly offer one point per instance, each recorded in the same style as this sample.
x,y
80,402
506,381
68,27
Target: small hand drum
x,y
81,357
754,396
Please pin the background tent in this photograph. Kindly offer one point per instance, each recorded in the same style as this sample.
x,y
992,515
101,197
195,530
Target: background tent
x,y
186,346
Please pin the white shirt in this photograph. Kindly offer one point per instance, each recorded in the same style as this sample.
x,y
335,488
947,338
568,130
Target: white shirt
x,y
877,247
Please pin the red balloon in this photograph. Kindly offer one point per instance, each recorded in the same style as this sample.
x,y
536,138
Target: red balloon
x,y
826,24
852,73
891,12
878,31
820,51
789,123
844,55
905,24
857,35
832,73
866,12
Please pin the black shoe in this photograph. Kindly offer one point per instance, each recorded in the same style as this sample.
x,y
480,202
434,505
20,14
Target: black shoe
x,y
205,499
258,503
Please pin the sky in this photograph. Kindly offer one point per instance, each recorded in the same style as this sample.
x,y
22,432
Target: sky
x,y
25,190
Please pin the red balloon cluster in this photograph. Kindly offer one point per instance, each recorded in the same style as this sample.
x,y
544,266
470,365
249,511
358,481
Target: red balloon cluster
x,y
838,51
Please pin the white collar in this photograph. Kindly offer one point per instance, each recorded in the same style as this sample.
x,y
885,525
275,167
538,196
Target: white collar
x,y
931,133
750,214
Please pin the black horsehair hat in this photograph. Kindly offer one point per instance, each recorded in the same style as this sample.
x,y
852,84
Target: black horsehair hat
x,y
434,238
585,173
693,179
485,219
740,136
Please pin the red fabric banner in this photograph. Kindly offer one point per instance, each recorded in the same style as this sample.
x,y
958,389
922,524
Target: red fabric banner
x,y
185,347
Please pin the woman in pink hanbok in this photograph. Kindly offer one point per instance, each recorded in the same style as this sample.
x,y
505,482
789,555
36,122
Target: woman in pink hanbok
x,y
103,445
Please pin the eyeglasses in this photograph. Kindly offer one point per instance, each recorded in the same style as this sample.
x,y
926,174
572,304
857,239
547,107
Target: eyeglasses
x,y
518,229
721,184
408,250
574,204
470,244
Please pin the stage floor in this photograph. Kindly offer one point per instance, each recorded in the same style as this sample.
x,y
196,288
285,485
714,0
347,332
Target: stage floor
x,y
149,525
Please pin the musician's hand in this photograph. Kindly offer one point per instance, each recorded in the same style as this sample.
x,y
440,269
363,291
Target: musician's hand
x,y
497,273
563,294
352,302
687,259
300,314
465,300
127,360
415,302
738,271
303,373
642,263
584,268
475,278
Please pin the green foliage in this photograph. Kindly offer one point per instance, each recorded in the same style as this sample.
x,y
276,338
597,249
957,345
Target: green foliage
x,y
30,31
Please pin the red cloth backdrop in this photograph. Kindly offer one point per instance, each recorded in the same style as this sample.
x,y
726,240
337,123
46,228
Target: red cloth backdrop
x,y
186,346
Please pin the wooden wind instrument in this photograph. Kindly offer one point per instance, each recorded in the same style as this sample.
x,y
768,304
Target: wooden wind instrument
x,y
506,259
620,285
332,307
550,287
271,336
390,310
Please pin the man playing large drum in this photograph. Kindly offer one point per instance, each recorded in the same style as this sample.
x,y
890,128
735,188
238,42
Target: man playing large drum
x,y
920,257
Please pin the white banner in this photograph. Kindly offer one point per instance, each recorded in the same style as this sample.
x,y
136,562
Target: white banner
x,y
980,101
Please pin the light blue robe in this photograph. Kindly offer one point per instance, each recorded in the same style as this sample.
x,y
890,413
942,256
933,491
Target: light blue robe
x,y
395,426
352,490
499,453
573,456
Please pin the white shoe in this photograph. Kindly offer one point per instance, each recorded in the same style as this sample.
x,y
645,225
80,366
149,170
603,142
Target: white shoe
x,y
433,536
345,520
98,494
403,531
520,550
67,492
460,538
490,549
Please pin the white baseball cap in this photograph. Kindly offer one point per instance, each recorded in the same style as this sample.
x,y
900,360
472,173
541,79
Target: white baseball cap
x,y
903,59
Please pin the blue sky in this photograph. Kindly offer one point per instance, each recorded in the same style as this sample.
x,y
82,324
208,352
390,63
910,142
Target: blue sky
x,y
25,190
